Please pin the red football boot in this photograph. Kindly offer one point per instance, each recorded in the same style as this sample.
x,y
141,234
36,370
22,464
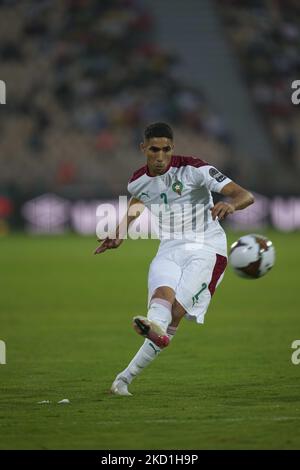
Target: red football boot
x,y
151,330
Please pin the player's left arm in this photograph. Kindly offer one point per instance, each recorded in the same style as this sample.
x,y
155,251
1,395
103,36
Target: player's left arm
x,y
239,198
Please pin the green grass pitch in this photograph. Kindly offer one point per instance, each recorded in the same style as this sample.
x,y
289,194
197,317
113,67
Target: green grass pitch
x,y
65,316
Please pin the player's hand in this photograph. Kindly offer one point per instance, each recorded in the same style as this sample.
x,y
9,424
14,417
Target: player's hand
x,y
221,210
107,244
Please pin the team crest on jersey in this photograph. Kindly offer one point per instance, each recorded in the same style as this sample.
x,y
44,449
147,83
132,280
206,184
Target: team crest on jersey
x,y
177,187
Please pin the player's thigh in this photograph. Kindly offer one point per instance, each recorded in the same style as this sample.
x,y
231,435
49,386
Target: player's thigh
x,y
163,274
198,282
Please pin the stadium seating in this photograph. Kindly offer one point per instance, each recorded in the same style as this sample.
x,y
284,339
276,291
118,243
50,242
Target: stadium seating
x,y
266,37
83,78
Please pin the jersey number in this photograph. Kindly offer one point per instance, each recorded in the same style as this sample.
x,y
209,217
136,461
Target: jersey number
x,y
164,198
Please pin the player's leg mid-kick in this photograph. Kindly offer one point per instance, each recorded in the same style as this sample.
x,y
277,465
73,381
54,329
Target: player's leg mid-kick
x,y
159,328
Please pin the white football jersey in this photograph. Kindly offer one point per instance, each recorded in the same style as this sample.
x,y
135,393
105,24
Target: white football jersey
x,y
183,192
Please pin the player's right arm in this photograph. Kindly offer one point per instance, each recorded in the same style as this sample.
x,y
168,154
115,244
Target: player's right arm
x,y
134,210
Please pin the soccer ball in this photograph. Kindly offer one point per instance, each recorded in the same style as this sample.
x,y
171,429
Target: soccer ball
x,y
252,256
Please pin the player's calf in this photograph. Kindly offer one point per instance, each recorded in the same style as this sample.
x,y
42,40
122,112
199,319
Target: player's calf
x,y
178,312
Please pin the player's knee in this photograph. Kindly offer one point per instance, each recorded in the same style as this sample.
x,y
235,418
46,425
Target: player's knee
x,y
165,293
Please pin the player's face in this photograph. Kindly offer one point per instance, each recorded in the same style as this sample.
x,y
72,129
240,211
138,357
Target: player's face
x,y
158,151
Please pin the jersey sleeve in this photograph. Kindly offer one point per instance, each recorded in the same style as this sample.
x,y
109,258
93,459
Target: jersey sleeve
x,y
133,190
212,178
130,189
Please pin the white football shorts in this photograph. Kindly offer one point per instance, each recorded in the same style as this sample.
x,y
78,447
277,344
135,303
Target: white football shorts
x,y
192,274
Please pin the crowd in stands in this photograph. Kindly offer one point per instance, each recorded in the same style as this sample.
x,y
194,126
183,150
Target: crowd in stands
x,y
266,35
83,78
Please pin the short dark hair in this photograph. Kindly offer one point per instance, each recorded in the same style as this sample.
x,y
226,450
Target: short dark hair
x,y
158,129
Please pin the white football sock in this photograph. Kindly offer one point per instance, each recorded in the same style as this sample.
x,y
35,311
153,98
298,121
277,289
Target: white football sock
x,y
143,357
160,313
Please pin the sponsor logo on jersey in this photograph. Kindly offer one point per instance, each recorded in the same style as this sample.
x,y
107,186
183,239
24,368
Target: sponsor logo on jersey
x,y
177,187
144,194
217,175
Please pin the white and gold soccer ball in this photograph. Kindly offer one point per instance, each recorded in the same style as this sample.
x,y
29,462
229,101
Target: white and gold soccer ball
x,y
252,256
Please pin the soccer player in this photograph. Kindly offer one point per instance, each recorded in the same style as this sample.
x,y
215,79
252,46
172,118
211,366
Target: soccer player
x,y
187,269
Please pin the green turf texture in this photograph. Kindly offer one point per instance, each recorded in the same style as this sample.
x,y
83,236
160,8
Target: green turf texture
x,y
65,316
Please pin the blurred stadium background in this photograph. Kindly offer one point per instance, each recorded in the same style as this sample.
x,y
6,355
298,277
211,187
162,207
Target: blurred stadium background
x,y
83,78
